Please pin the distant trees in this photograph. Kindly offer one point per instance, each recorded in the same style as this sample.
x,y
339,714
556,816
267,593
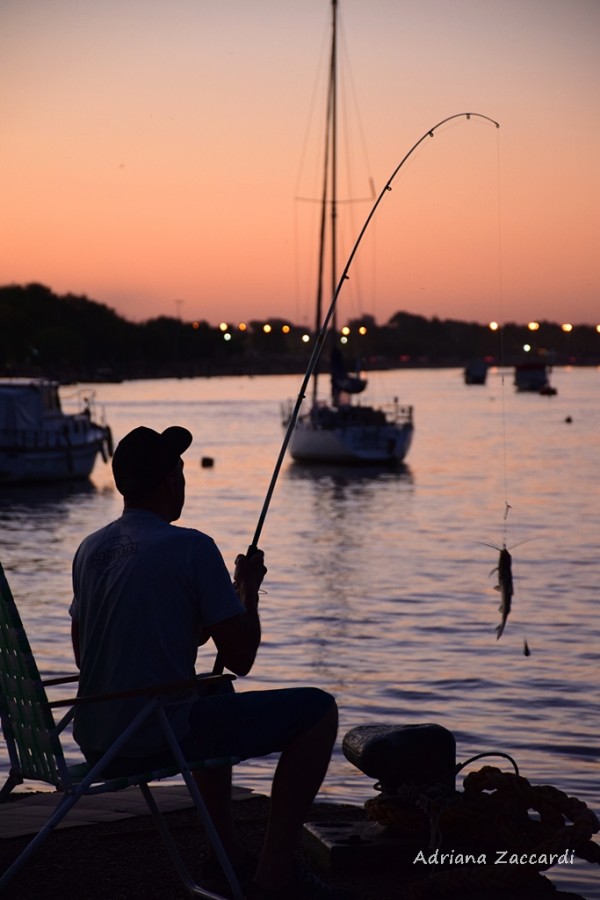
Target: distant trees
x,y
73,337
39,330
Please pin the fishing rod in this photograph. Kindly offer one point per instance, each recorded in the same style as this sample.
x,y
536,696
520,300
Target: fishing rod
x,y
325,328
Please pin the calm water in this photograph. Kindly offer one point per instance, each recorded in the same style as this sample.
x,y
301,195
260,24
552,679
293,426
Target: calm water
x,y
379,585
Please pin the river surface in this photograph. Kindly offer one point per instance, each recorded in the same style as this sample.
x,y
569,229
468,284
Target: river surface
x,y
379,586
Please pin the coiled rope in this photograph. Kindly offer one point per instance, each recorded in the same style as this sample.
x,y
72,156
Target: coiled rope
x,y
490,816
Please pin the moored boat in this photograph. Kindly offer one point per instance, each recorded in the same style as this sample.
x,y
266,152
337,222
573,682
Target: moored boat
x,y
342,430
39,442
354,434
533,376
475,371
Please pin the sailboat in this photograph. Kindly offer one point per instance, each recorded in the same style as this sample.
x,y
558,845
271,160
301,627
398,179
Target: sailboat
x,y
343,430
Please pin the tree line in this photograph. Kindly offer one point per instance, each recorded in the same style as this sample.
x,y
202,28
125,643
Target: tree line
x,y
71,337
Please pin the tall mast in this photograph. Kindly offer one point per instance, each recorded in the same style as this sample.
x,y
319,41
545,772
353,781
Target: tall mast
x,y
329,190
334,155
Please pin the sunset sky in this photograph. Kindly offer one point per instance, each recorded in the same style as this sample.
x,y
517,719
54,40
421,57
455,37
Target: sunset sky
x,y
153,152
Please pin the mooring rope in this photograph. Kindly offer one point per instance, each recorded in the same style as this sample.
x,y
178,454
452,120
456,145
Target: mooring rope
x,y
490,816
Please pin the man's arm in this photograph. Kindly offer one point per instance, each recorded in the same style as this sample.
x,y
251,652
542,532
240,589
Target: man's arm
x,y
237,639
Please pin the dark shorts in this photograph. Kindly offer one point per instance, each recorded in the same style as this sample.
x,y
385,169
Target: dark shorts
x,y
254,723
240,726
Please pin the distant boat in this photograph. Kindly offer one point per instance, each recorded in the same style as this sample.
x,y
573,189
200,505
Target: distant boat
x,y
476,372
533,376
340,430
41,443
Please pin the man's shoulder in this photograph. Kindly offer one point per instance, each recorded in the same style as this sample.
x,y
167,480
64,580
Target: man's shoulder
x,y
144,534
183,534
97,536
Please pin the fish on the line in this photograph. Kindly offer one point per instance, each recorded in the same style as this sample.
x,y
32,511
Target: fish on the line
x,y
504,586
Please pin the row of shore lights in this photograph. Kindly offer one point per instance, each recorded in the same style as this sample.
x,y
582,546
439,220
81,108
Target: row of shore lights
x,y
226,331
494,326
534,326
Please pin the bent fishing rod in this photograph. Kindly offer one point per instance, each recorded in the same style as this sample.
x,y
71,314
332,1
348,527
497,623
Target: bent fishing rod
x,y
320,341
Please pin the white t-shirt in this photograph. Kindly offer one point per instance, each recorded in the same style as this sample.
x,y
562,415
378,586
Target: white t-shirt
x,y
143,588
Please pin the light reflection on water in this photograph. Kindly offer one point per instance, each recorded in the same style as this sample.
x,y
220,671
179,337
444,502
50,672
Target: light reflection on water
x,y
379,585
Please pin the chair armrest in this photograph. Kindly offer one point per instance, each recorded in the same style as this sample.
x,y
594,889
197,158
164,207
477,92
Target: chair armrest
x,y
198,683
65,679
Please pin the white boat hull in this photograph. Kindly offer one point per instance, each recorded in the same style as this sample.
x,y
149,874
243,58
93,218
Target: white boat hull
x,y
351,444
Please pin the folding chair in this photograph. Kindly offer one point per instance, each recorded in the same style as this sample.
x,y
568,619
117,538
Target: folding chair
x,y
33,740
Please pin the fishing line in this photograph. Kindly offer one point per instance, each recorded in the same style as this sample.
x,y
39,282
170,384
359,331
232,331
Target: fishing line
x,y
505,563
507,506
322,335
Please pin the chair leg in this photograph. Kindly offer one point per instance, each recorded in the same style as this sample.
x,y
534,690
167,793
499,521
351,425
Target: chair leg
x,y
174,853
196,796
67,802
14,778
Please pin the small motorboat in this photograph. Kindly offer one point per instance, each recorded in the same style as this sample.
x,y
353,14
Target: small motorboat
x,y
39,442
533,376
475,372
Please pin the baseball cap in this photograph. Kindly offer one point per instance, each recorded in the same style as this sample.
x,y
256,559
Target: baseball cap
x,y
144,457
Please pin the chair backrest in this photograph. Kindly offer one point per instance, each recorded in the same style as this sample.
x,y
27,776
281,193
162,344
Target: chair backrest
x,y
27,721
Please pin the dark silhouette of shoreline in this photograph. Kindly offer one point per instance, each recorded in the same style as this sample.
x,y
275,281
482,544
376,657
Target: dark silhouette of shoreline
x,y
73,338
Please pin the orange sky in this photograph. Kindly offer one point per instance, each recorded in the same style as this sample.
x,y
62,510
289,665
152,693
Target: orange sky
x,y
152,152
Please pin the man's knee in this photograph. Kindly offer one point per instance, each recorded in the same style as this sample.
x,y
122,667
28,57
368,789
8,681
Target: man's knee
x,y
326,709
331,709
320,700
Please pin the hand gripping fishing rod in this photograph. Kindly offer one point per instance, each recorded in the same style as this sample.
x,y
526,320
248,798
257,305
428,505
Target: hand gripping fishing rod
x,y
218,666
